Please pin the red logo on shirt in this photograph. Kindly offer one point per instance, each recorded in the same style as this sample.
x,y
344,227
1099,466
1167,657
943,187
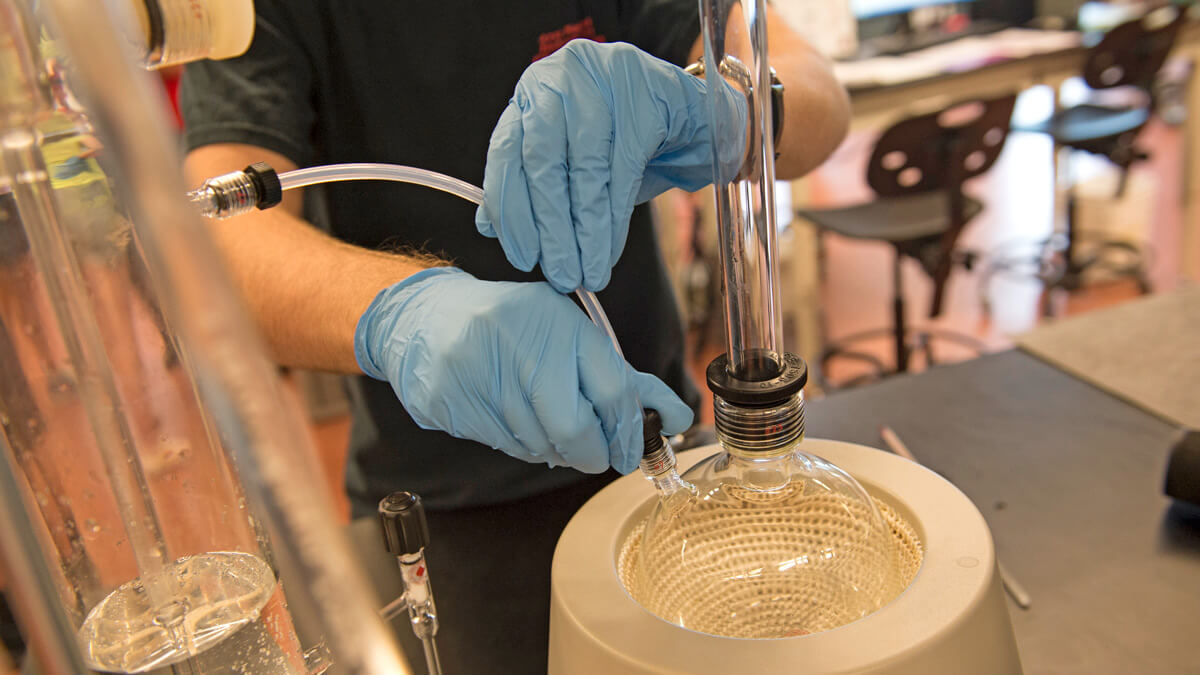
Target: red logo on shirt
x,y
548,43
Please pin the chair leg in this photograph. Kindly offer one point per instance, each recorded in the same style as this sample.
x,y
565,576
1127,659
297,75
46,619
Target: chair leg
x,y
1123,181
1072,269
1074,265
899,330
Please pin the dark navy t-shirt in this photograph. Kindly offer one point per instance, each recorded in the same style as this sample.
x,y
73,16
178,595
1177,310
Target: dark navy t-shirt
x,y
422,84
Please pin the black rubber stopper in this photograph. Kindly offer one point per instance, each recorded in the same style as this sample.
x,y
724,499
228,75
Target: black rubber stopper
x,y
1183,470
266,181
402,517
760,392
651,431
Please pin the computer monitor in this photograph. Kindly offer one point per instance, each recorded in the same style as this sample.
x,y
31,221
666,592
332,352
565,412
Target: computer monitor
x,y
867,9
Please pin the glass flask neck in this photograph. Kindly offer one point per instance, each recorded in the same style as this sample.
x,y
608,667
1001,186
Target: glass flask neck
x,y
760,432
760,472
668,483
760,457
660,469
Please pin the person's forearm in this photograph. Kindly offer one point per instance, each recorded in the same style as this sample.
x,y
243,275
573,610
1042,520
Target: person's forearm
x,y
305,289
816,106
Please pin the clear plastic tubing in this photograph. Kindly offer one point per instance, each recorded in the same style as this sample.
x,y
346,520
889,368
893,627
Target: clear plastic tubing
x,y
406,174
330,173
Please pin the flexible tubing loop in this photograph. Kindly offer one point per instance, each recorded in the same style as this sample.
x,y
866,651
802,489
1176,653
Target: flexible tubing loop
x,y
407,174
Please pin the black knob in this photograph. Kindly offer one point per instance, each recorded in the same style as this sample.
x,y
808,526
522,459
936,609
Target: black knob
x,y
402,517
651,431
266,181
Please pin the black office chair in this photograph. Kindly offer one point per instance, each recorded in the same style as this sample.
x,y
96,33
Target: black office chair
x,y
917,171
1129,56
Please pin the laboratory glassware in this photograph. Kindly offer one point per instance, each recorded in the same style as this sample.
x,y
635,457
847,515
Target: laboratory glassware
x,y
406,535
767,547
766,541
170,32
147,434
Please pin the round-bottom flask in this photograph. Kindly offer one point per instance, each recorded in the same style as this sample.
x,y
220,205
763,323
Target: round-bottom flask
x,y
768,545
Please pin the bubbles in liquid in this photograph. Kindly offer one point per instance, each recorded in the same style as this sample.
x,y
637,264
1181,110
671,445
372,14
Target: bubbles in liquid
x,y
188,607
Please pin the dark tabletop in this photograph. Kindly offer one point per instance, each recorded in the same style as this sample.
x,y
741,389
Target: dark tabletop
x,y
1070,479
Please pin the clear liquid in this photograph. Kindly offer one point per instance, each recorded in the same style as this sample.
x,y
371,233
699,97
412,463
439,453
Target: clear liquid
x,y
193,610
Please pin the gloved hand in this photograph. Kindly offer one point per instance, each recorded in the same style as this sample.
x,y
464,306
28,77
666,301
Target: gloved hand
x,y
592,130
513,365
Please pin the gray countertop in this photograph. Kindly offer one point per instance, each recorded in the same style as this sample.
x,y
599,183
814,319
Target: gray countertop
x,y
1070,479
1146,352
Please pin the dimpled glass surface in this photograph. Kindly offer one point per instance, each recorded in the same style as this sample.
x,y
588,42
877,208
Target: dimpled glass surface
x,y
769,548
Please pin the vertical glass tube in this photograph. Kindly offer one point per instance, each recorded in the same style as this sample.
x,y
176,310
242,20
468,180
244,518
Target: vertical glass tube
x,y
32,586
735,57
142,413
155,553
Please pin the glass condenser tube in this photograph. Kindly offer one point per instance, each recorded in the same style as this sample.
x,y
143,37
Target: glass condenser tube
x,y
222,363
735,50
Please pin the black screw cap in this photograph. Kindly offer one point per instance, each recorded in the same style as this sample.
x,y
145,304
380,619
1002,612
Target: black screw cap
x,y
651,431
266,181
402,517
758,392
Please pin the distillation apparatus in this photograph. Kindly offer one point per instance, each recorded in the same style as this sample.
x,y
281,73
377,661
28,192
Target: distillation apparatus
x,y
769,556
761,540
764,540
844,572
157,485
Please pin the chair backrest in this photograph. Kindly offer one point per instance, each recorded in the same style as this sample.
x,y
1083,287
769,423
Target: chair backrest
x,y
1132,53
939,151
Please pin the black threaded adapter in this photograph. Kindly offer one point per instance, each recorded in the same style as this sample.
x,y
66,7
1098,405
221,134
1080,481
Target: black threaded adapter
x,y
765,392
651,431
266,181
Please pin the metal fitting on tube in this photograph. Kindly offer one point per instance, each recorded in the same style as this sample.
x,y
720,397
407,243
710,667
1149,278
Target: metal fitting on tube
x,y
232,194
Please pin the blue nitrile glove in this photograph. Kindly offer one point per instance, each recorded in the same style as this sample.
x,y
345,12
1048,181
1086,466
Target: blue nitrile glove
x,y
512,365
590,131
